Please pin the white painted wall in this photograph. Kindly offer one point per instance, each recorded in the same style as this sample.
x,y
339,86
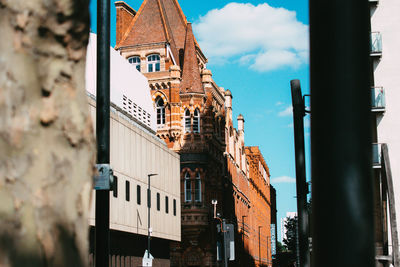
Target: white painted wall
x,y
124,80
135,153
385,19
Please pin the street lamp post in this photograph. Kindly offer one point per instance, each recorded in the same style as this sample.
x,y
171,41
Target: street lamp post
x,y
148,213
259,244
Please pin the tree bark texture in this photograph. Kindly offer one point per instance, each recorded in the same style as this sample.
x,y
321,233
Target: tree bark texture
x,y
46,137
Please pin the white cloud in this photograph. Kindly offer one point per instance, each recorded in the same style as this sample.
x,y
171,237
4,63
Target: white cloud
x,y
287,112
283,179
263,37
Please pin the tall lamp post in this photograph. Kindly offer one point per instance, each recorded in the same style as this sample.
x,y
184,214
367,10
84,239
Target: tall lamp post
x,y
148,213
259,244
102,208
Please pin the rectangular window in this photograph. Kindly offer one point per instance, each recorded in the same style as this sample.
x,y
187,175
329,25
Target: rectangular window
x,y
187,124
188,190
148,198
115,189
158,201
166,204
174,207
138,195
196,125
197,190
150,67
127,191
157,66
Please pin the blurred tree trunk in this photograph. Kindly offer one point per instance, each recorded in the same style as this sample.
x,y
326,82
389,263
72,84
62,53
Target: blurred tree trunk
x,y
46,137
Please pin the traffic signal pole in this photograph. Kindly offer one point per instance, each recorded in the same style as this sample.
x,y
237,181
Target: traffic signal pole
x,y
341,147
102,209
301,183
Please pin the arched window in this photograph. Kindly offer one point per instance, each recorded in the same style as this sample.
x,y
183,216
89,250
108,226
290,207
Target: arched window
x,y
160,107
196,121
135,61
197,188
153,63
187,121
188,188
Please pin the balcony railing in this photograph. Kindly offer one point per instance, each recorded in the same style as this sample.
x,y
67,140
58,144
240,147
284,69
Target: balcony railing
x,y
376,44
376,155
378,99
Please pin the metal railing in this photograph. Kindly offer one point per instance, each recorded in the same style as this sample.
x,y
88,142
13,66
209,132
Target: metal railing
x,y
378,99
376,43
376,155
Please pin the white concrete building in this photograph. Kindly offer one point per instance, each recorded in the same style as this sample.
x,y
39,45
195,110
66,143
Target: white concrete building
x,y
135,152
289,215
385,53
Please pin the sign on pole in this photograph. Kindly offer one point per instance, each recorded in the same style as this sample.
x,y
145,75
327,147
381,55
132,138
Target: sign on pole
x,y
273,239
147,259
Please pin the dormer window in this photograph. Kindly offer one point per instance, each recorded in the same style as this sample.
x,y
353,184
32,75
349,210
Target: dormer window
x,y
160,107
153,63
135,61
196,121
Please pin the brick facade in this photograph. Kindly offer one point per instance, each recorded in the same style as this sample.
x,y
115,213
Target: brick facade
x,y
196,121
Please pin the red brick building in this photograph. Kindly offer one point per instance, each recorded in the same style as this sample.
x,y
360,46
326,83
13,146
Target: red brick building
x,y
194,118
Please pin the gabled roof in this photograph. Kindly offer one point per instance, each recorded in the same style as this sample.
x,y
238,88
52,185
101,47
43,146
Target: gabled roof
x,y
156,21
191,79
148,26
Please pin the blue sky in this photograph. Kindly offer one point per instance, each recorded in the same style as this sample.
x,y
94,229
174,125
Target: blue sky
x,y
254,49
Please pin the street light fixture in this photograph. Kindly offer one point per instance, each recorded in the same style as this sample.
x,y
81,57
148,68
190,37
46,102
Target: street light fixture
x,y
148,213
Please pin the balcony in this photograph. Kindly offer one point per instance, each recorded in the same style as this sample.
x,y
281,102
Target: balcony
x,y
376,155
378,103
376,44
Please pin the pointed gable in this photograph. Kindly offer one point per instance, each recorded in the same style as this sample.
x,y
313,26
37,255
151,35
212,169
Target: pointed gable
x,y
191,79
148,26
176,21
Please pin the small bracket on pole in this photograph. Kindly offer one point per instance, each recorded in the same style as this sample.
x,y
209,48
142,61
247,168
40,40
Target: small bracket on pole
x,y
308,111
104,178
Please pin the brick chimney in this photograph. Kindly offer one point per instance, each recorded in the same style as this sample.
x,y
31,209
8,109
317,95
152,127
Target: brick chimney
x,y
125,15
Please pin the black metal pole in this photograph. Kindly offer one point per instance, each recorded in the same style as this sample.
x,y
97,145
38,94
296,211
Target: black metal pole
x,y
301,184
342,215
148,217
102,229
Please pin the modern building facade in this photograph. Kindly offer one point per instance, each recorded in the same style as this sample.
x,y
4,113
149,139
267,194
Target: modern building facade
x,y
385,58
194,118
136,152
